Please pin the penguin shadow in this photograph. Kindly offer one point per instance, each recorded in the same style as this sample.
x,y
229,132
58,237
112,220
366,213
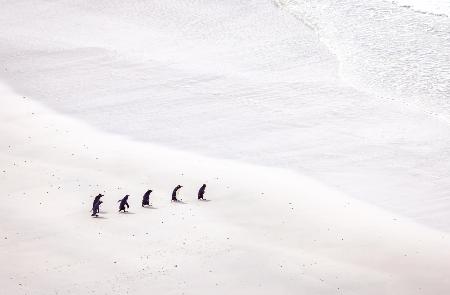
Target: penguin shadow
x,y
99,217
181,202
204,200
150,207
126,213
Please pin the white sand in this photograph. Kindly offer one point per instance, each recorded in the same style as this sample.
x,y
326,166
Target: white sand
x,y
265,231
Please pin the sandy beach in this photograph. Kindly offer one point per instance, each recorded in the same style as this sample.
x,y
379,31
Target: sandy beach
x,y
316,184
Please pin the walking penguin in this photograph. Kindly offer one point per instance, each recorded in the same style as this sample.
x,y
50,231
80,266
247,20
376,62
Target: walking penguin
x,y
146,198
96,199
96,205
174,193
201,192
96,208
123,203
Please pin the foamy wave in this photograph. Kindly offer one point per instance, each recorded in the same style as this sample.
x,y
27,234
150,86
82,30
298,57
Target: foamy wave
x,y
432,7
385,49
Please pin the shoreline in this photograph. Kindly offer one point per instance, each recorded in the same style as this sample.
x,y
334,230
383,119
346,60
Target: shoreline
x,y
254,85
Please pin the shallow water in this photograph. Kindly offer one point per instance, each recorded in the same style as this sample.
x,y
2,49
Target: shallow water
x,y
386,49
